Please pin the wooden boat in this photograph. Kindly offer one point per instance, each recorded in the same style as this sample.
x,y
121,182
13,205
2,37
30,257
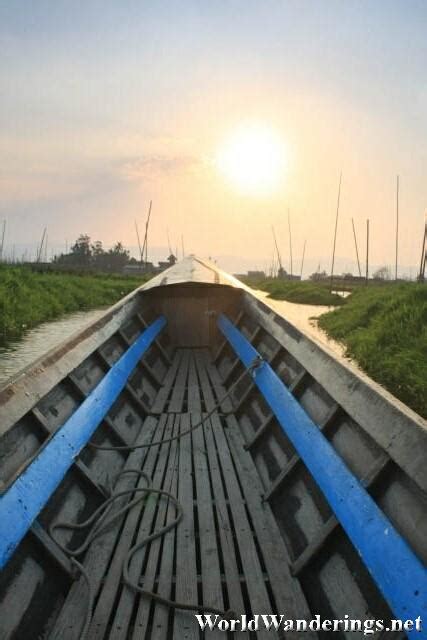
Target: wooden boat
x,y
302,484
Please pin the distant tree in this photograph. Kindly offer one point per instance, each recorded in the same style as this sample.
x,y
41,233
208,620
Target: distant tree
x,y
97,249
82,250
319,275
83,253
383,273
118,256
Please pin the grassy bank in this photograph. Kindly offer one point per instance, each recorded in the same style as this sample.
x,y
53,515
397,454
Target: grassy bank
x,y
385,330
300,292
28,298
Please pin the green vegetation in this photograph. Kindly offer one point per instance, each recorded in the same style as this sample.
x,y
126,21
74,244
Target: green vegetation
x,y
28,298
384,328
301,292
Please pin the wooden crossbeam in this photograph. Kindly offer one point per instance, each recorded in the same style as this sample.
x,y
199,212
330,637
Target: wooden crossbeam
x,y
290,466
332,523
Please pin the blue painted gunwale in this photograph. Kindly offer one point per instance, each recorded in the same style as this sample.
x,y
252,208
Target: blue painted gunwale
x,y
399,574
27,496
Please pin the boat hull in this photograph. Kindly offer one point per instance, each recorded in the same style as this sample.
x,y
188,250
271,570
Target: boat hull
x,y
258,534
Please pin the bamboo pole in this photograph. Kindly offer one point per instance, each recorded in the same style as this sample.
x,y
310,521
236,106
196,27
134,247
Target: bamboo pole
x,y
357,251
39,253
335,233
169,242
302,261
367,251
397,225
2,240
277,249
145,245
421,274
141,257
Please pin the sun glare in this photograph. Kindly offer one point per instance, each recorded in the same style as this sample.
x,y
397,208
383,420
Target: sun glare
x,y
253,160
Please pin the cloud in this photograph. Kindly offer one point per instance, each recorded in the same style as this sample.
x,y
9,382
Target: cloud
x,y
155,165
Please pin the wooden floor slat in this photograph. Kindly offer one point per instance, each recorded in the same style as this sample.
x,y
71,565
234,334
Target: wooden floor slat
x,y
230,561
225,553
160,623
157,469
112,579
186,568
165,514
164,392
208,545
69,622
287,591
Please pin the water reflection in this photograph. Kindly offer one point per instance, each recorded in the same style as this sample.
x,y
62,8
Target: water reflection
x,y
22,352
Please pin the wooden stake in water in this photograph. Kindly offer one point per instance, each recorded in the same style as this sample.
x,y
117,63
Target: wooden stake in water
x,y
145,245
421,274
169,242
397,224
2,240
40,251
182,246
302,261
279,260
367,251
357,250
290,241
139,242
335,233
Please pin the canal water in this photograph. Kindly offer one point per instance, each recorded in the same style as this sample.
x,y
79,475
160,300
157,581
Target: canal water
x,y
22,352
304,317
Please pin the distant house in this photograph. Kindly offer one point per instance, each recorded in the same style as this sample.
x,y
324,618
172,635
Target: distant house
x,y
169,263
148,267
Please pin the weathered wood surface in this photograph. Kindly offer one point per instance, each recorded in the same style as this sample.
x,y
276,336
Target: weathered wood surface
x,y
225,553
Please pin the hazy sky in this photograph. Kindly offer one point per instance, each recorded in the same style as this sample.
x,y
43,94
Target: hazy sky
x,y
105,105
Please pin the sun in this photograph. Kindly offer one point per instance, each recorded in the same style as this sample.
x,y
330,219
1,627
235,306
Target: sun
x,y
253,159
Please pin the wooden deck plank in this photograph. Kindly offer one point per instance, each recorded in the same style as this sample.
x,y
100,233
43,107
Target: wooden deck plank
x,y
286,589
254,576
186,568
231,568
180,386
208,544
205,470
165,391
157,549
165,581
113,575
69,622
157,469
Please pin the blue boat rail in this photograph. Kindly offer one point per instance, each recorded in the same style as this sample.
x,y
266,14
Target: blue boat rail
x,y
29,493
392,564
